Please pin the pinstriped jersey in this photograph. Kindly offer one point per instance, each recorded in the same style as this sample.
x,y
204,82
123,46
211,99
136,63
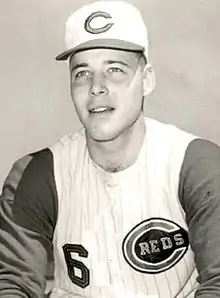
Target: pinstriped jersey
x,y
151,257
122,234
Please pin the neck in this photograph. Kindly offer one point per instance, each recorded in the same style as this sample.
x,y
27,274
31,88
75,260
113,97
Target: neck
x,y
120,153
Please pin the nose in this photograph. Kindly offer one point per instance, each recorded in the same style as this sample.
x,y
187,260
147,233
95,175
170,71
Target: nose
x,y
98,86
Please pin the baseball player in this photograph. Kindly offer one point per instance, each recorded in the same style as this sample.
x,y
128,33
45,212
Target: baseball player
x,y
127,206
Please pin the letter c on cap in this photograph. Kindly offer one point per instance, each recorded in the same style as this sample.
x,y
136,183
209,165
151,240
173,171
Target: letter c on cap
x,y
96,14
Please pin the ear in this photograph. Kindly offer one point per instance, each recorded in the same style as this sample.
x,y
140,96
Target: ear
x,y
148,79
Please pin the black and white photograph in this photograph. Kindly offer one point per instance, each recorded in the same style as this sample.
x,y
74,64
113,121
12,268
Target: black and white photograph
x,y
110,149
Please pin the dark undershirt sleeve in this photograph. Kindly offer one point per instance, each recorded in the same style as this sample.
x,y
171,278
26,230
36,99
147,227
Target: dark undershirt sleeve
x,y
199,193
28,214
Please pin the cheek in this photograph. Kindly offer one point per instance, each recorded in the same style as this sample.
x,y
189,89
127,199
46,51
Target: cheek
x,y
79,96
80,106
78,89
133,96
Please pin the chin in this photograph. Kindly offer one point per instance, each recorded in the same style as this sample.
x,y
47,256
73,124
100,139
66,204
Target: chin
x,y
103,136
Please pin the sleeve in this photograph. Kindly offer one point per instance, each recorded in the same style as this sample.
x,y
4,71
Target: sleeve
x,y
199,193
28,213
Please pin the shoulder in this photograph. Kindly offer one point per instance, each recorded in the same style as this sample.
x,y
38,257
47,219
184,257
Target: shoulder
x,y
167,132
202,157
29,192
168,142
200,172
68,150
68,141
30,167
202,150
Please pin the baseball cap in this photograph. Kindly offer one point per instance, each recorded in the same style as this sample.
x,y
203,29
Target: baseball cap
x,y
105,24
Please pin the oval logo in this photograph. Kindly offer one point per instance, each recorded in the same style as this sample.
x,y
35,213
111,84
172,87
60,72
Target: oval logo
x,y
94,15
155,245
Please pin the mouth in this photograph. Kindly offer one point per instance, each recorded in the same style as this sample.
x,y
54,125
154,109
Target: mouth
x,y
101,110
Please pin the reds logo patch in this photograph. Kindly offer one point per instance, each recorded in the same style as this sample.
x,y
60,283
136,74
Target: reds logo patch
x,y
97,30
155,245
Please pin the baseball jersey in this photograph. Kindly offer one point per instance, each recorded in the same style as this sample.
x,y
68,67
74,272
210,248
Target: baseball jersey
x,y
122,234
150,230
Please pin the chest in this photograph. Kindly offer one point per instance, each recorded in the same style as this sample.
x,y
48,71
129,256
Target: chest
x,y
121,233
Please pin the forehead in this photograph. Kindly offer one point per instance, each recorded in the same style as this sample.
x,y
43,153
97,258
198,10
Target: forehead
x,y
100,56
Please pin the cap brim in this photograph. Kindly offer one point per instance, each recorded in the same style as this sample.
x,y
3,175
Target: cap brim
x,y
101,43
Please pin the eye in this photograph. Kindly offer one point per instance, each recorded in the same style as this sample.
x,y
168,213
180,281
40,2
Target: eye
x,y
82,74
115,69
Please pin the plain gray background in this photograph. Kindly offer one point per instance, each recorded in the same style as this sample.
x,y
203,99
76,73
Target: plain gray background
x,y
36,108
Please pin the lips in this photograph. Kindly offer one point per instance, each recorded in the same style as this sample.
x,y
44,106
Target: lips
x,y
101,110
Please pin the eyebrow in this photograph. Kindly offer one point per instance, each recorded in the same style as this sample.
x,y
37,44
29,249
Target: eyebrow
x,y
79,65
116,61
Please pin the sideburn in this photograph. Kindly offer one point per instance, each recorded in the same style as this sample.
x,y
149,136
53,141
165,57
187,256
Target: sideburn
x,y
142,105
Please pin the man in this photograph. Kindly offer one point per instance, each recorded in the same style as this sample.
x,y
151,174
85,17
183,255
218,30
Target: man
x,y
129,206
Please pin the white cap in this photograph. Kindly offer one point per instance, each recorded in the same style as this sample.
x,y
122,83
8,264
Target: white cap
x,y
105,24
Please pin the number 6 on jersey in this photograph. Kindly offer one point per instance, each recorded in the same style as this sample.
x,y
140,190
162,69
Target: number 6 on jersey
x,y
72,264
